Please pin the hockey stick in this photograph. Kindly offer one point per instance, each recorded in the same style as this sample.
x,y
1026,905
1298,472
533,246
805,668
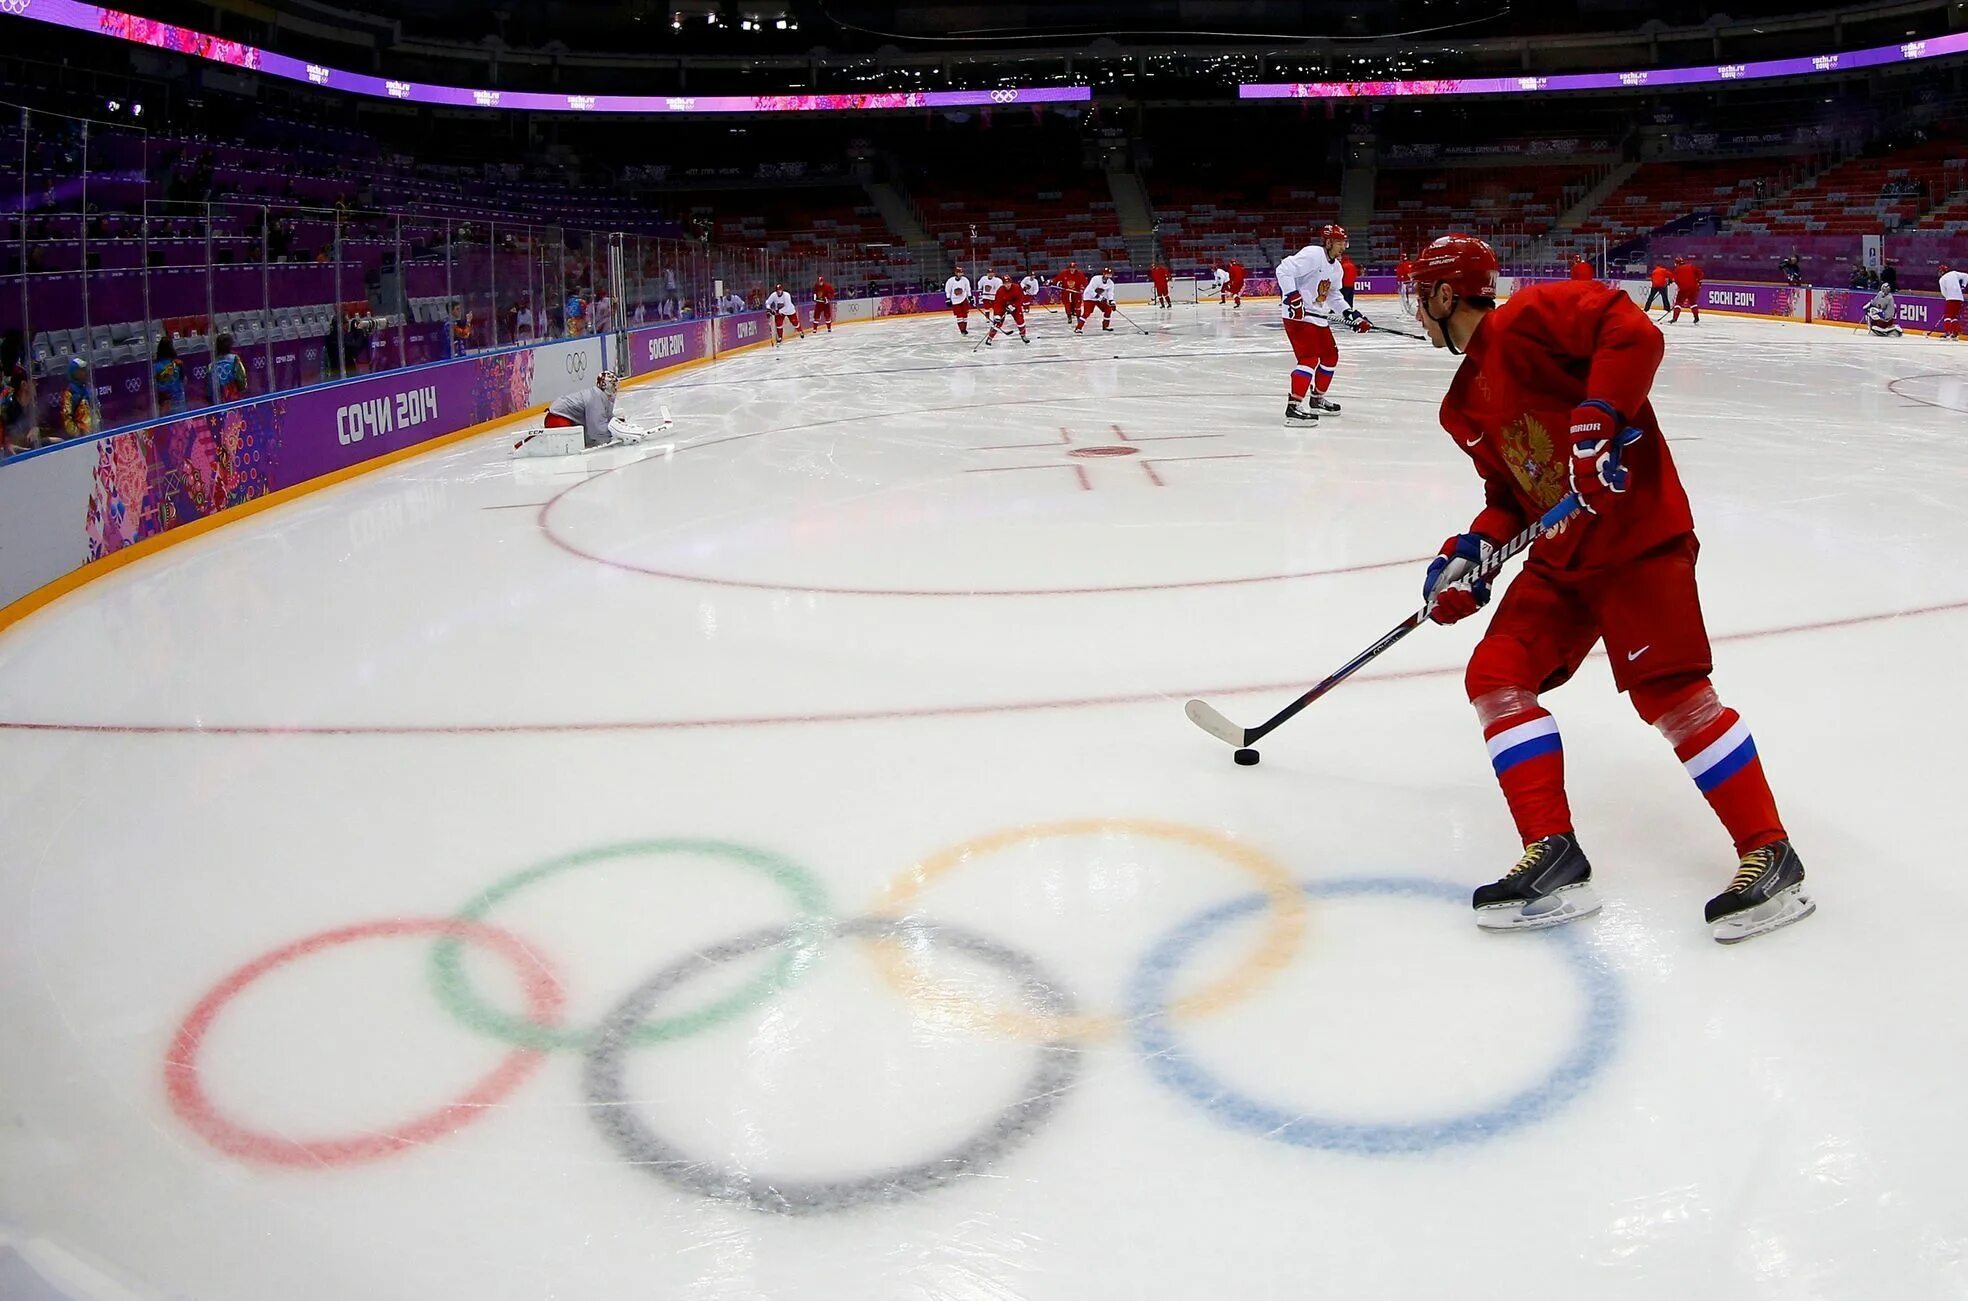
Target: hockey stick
x,y
1129,319
1402,334
1212,721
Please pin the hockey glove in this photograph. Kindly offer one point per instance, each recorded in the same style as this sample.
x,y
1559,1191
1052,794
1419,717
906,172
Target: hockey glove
x,y
1451,589
1295,306
1596,473
626,431
1359,323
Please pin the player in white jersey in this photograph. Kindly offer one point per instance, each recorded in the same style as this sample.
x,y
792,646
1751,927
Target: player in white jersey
x,y
1954,289
1033,287
1310,281
1223,286
987,290
582,420
784,311
1099,292
957,290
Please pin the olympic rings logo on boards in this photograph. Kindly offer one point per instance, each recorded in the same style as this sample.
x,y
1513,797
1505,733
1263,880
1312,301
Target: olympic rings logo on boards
x,y
1004,97
1041,1013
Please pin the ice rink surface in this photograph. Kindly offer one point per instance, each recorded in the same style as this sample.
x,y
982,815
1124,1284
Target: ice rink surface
x,y
776,865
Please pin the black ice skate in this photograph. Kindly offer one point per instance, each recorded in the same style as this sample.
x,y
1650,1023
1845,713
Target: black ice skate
x,y
1552,883
1766,894
1322,404
1297,417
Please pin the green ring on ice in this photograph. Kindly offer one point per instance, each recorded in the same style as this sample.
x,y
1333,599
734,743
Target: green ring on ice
x,y
454,990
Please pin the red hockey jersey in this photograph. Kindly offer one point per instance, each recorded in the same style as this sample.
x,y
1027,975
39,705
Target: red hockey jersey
x,y
1529,364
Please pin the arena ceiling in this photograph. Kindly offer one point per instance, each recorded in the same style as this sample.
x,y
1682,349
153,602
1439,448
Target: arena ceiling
x,y
838,26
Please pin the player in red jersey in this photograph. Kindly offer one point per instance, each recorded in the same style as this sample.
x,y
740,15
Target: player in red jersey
x,y
1009,301
1657,287
1072,281
1687,289
1235,289
1158,275
1581,269
1549,384
823,304
1403,270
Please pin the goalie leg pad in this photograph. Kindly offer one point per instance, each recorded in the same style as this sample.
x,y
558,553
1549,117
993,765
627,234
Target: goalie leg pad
x,y
548,442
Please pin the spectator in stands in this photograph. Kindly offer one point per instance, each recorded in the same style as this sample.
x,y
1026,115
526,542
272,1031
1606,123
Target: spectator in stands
x,y
601,316
168,377
333,364
461,330
1889,278
1792,268
356,331
226,376
669,294
78,402
16,395
577,314
522,323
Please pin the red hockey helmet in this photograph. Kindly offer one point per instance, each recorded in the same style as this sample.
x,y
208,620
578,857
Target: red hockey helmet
x,y
1331,231
1462,262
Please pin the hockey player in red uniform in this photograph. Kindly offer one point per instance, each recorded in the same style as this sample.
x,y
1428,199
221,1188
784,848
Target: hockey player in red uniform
x,y
1581,269
1687,289
1158,275
1549,385
1009,301
1235,289
823,304
1657,287
1072,281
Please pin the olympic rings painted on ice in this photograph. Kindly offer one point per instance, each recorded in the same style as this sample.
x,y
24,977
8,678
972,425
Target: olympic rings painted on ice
x,y
454,991
1169,1063
185,1088
1043,1013
1281,895
1055,1071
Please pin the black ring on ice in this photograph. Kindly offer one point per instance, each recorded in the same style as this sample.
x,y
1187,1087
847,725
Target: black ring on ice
x,y
1055,1071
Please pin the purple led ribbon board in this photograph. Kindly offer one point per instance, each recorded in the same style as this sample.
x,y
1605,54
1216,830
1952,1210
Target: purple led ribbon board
x,y
183,40
1714,72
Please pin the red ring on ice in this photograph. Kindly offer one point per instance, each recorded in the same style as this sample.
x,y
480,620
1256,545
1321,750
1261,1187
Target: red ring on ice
x,y
185,1088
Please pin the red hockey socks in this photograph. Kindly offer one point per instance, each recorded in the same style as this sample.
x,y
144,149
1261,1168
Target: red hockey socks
x,y
1301,381
1322,380
1529,759
1714,745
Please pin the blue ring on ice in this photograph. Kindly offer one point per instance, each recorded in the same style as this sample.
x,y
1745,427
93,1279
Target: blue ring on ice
x,y
1155,1038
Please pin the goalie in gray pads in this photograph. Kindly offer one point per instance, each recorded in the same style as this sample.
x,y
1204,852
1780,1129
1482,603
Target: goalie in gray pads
x,y
1882,314
581,421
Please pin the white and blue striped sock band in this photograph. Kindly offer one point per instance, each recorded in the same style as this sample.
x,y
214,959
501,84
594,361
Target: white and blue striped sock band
x,y
1513,745
1723,758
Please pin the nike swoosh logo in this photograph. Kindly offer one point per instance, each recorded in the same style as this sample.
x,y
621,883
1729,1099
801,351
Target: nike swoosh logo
x,y
1634,655
1472,442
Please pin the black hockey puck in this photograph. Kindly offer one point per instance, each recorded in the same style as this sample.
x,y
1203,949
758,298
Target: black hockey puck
x,y
1246,757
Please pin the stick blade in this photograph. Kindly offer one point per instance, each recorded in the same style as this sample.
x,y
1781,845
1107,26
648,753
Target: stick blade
x,y
1215,724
